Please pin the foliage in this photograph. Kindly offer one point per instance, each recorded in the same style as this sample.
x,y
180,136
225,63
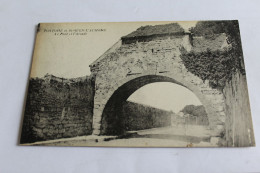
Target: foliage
x,y
195,110
216,66
231,28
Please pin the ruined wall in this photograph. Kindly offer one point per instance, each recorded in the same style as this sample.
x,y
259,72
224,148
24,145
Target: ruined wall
x,y
122,116
56,108
239,129
139,117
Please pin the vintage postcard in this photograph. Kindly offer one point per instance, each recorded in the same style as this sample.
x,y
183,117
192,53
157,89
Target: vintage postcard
x,y
138,84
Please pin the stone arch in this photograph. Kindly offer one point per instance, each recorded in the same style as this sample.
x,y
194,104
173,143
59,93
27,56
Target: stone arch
x,y
120,91
159,58
112,122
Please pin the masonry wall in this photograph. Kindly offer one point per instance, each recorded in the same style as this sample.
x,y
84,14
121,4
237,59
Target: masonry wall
x,y
239,129
160,57
139,117
57,109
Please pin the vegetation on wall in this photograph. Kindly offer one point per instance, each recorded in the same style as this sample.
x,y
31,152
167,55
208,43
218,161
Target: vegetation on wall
x,y
216,66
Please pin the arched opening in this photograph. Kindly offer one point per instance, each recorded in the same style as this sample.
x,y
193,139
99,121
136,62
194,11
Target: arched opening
x,y
165,95
119,113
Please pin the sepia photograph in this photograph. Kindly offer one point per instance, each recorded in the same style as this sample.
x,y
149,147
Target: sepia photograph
x,y
138,84
131,86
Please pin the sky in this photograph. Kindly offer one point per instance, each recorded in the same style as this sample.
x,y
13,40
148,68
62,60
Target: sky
x,y
165,95
70,56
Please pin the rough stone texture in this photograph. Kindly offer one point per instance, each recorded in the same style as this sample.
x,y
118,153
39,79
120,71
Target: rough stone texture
x,y
133,116
140,117
126,67
148,33
62,108
239,128
57,108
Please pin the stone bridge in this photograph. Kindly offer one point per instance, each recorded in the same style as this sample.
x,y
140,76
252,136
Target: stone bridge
x,y
137,60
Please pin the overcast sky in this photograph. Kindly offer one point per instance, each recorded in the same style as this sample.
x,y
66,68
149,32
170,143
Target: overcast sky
x,y
165,95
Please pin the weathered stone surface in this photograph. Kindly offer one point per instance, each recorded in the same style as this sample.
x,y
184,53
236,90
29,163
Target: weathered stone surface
x,y
129,66
238,125
57,108
133,116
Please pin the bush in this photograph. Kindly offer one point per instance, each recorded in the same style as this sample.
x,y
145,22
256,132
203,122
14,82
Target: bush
x,y
216,66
